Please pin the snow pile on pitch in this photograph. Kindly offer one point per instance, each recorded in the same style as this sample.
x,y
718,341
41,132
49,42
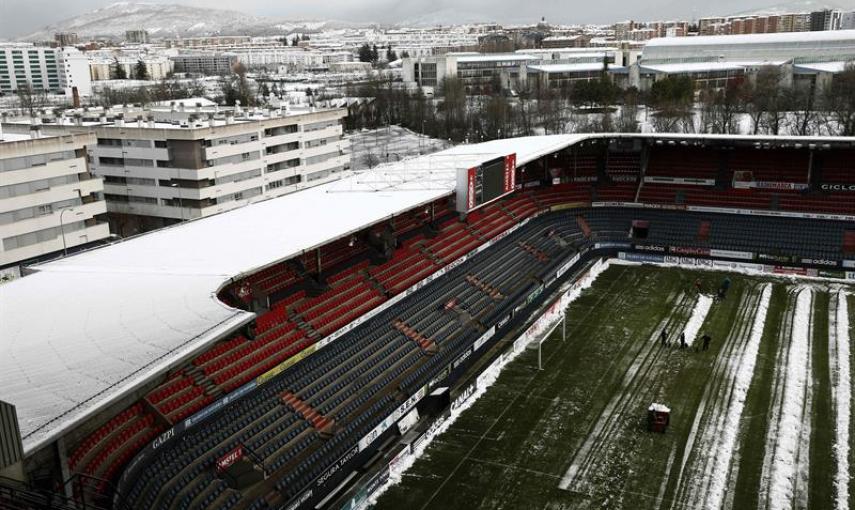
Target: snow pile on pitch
x,y
742,382
783,468
699,315
842,401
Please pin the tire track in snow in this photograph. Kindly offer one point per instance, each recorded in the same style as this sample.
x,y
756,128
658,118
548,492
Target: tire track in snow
x,y
689,489
787,468
577,477
841,395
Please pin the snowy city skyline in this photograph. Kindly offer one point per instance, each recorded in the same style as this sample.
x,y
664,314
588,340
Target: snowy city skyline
x,y
21,17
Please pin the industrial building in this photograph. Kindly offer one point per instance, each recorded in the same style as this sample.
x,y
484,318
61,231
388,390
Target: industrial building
x,y
711,61
553,67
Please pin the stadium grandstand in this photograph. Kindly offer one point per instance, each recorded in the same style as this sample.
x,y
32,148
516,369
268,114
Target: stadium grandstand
x,y
265,357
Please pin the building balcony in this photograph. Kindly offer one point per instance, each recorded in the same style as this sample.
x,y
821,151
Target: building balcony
x,y
92,233
270,141
71,214
36,173
109,151
322,133
222,151
51,195
154,210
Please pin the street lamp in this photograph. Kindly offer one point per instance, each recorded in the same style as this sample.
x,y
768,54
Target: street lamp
x,y
62,228
62,225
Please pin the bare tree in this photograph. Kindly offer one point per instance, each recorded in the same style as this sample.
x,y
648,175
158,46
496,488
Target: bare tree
x,y
763,98
803,118
719,109
525,111
839,102
672,98
31,99
627,122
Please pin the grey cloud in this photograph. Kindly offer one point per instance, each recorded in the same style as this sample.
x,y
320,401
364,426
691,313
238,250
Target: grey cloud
x,y
24,16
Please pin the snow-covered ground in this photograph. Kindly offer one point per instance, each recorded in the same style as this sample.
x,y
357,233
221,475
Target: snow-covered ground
x,y
790,433
699,315
370,148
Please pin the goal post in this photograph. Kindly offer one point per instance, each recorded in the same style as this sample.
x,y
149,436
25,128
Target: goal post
x,y
562,321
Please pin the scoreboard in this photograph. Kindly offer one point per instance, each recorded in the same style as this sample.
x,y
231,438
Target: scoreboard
x,y
483,184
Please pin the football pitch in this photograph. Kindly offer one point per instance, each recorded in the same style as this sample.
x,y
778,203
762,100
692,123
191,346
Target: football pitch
x,y
762,419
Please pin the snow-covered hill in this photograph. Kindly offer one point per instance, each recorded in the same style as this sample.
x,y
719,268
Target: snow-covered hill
x,y
447,17
170,20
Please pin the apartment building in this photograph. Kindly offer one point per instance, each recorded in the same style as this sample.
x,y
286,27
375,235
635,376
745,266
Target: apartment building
x,y
138,36
204,63
102,68
170,164
770,23
66,38
260,56
204,42
56,70
49,200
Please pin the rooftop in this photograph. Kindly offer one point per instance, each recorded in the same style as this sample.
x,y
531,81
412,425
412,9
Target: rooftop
x,y
13,137
571,68
501,57
705,67
822,67
725,40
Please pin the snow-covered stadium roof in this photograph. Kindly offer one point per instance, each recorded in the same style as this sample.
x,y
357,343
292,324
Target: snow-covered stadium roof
x,y
85,330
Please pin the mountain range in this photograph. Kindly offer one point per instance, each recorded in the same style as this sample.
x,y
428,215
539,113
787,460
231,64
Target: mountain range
x,y
172,20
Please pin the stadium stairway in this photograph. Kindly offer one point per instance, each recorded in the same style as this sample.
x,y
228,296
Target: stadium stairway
x,y
318,421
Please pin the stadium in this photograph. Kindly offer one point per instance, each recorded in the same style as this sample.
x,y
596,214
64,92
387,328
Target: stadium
x,y
499,306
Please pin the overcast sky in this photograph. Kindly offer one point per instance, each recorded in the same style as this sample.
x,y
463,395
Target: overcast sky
x,y
19,17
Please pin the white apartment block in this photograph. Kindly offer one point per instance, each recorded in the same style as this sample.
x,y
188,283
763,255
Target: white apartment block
x,y
57,70
157,68
274,56
162,166
49,201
